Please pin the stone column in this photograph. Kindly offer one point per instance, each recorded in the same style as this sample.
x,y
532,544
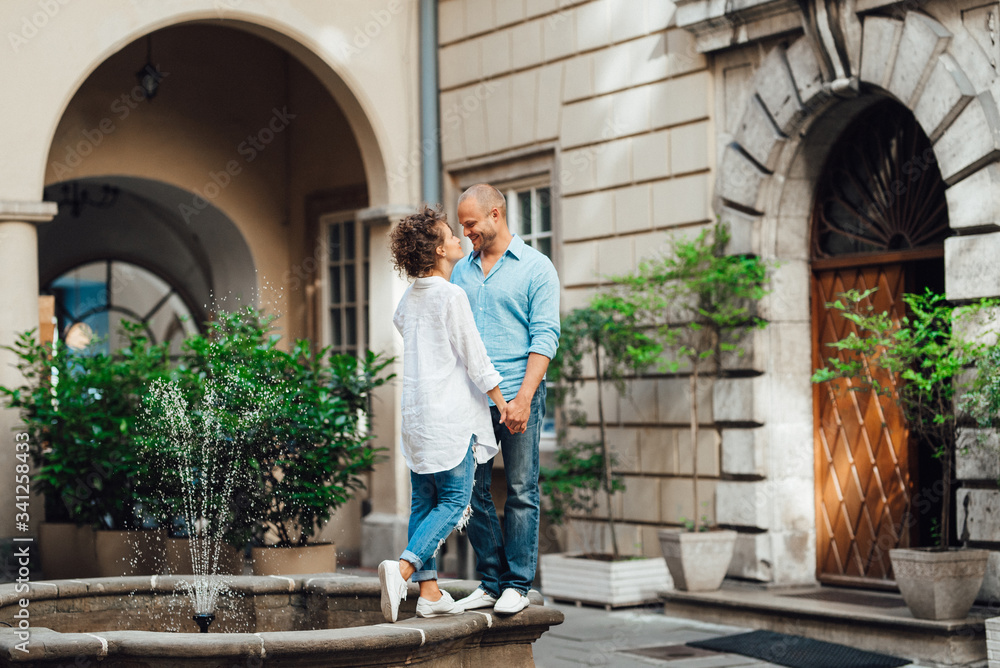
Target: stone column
x,y
383,530
18,313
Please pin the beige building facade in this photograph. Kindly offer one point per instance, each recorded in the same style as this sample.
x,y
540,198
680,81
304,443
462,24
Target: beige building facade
x,y
809,97
641,119
274,128
604,108
281,131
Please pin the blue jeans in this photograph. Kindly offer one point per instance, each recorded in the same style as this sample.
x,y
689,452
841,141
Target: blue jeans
x,y
508,559
437,503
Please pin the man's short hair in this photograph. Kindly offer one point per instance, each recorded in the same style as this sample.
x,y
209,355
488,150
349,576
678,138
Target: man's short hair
x,y
487,197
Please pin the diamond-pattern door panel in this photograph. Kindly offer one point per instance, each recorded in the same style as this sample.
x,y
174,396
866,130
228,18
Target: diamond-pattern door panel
x,y
861,442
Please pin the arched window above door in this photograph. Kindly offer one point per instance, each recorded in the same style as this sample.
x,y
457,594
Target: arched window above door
x,y
881,189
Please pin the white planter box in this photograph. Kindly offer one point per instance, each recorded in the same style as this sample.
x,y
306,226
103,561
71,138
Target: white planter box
x,y
993,641
607,583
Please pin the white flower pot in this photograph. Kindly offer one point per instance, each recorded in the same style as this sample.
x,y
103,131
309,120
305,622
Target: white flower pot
x,y
178,558
697,561
67,551
939,584
126,553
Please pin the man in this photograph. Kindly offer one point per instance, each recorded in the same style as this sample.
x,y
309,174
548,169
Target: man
x,y
514,293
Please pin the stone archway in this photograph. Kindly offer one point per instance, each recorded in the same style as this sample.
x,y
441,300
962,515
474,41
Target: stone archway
x,y
291,33
254,136
145,227
765,184
317,38
902,58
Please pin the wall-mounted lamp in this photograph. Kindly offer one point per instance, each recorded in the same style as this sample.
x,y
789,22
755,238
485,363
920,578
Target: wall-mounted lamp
x,y
150,75
75,197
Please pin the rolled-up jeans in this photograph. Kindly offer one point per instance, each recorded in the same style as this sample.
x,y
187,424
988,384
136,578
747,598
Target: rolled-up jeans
x,y
437,504
508,559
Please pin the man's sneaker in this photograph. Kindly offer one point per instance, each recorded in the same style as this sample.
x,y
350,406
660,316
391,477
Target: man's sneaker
x,y
511,601
477,599
393,588
443,606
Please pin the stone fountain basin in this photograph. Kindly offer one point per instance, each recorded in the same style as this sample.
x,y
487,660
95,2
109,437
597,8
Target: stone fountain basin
x,y
309,620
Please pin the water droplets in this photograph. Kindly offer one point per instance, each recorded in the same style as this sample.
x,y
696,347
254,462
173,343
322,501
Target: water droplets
x,y
194,440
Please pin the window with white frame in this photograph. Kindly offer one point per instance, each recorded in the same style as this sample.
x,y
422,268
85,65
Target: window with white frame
x,y
527,187
346,289
529,215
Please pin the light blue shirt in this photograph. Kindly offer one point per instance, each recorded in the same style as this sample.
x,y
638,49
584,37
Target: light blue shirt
x,y
516,308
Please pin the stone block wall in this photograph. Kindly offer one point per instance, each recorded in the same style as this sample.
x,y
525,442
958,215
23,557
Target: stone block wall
x,y
618,103
977,501
766,97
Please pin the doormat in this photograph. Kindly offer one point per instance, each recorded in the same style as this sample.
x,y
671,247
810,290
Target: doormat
x,y
798,652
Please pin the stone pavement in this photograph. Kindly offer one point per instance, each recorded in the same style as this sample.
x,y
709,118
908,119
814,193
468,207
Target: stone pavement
x,y
591,636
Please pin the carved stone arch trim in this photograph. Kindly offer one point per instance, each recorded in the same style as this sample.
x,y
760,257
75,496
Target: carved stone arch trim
x,y
765,186
788,87
905,59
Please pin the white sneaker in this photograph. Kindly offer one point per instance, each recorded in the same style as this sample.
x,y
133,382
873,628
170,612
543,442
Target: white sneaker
x,y
393,588
443,606
511,601
477,599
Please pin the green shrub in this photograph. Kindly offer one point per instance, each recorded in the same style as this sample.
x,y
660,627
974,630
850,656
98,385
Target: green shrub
x,y
79,408
288,429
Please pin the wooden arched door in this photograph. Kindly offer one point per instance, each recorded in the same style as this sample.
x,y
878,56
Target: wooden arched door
x,y
879,221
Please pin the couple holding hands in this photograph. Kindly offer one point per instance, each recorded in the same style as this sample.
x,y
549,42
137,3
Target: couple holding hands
x,y
474,327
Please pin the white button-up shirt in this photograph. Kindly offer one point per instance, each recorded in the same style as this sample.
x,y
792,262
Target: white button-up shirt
x,y
446,374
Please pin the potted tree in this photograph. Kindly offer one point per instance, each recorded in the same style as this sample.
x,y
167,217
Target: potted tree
x,y
80,408
598,340
61,463
925,352
307,451
322,449
699,305
277,441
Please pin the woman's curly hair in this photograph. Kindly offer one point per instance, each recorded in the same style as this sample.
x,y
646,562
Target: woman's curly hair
x,y
414,240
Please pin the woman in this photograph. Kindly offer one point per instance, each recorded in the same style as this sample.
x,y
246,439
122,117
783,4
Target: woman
x,y
447,427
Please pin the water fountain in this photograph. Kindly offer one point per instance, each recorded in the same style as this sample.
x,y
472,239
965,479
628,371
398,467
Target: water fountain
x,y
305,620
324,619
192,438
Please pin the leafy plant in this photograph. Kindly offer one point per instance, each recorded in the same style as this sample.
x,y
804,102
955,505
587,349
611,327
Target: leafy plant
x,y
238,358
698,304
310,446
79,408
602,336
690,524
921,350
292,424
321,426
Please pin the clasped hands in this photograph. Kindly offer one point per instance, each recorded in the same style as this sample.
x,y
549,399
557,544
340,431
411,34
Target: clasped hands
x,y
515,414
